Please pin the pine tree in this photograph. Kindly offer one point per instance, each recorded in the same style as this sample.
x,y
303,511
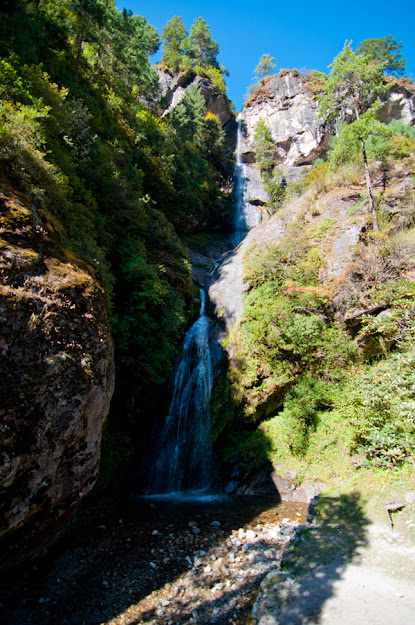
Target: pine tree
x,y
265,66
384,50
173,37
200,49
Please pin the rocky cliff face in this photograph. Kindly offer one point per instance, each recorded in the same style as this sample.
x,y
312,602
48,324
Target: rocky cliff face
x,y
290,111
57,376
174,86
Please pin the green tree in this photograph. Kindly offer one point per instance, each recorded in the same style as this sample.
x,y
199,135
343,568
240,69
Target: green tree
x,y
384,50
173,37
264,146
265,66
189,115
200,49
352,86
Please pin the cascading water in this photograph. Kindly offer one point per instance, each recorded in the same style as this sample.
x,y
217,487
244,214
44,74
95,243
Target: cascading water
x,y
186,458
246,215
239,221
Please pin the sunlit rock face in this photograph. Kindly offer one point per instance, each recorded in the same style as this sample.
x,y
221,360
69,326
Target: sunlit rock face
x,y
290,111
174,86
399,103
57,378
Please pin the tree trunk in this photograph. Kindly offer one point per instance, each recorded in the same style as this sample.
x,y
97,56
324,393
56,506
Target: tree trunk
x,y
369,188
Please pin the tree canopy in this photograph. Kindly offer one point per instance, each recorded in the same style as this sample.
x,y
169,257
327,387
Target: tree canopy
x,y
350,91
384,50
265,66
353,83
200,49
173,37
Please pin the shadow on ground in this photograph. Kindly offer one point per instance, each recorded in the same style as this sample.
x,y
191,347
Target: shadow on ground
x,y
116,557
314,562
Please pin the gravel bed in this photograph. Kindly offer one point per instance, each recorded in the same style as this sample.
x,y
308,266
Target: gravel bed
x,y
157,562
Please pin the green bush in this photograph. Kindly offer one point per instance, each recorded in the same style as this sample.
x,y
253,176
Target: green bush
x,y
380,404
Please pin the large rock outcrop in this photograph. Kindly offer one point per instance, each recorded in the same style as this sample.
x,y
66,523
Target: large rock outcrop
x,y
290,111
174,86
57,378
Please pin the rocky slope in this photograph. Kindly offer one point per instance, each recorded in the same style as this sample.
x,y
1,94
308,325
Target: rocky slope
x,y
57,377
335,221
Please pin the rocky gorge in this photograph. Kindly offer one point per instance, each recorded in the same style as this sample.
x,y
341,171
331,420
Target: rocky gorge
x,y
310,316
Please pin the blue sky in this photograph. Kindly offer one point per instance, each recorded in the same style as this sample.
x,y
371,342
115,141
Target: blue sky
x,y
298,34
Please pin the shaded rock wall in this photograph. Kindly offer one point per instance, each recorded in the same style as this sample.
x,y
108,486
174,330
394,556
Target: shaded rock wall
x,y
174,86
57,378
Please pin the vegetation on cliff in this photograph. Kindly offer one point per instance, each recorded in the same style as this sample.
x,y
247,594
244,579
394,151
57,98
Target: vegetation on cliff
x,y
322,363
81,136
194,51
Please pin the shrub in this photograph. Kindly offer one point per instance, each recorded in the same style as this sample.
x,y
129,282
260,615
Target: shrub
x,y
380,404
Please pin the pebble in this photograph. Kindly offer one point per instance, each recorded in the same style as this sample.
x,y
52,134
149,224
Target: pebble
x,y
214,584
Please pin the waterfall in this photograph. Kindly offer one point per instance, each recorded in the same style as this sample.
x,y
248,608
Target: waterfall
x,y
246,214
186,459
240,229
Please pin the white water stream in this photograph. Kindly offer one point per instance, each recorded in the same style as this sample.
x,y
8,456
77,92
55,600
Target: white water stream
x,y
185,461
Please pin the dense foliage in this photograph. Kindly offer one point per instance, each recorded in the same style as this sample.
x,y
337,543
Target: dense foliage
x,y
78,136
307,389
195,51
385,51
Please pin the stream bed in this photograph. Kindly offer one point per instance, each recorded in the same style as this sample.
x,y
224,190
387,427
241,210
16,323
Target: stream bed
x,y
166,560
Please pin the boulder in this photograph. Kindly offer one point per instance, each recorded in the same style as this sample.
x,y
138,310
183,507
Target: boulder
x,y
57,373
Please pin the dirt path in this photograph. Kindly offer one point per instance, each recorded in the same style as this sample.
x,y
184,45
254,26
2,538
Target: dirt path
x,y
342,570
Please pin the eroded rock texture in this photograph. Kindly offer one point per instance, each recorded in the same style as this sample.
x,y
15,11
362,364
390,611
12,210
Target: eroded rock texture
x,y
57,377
290,111
174,86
